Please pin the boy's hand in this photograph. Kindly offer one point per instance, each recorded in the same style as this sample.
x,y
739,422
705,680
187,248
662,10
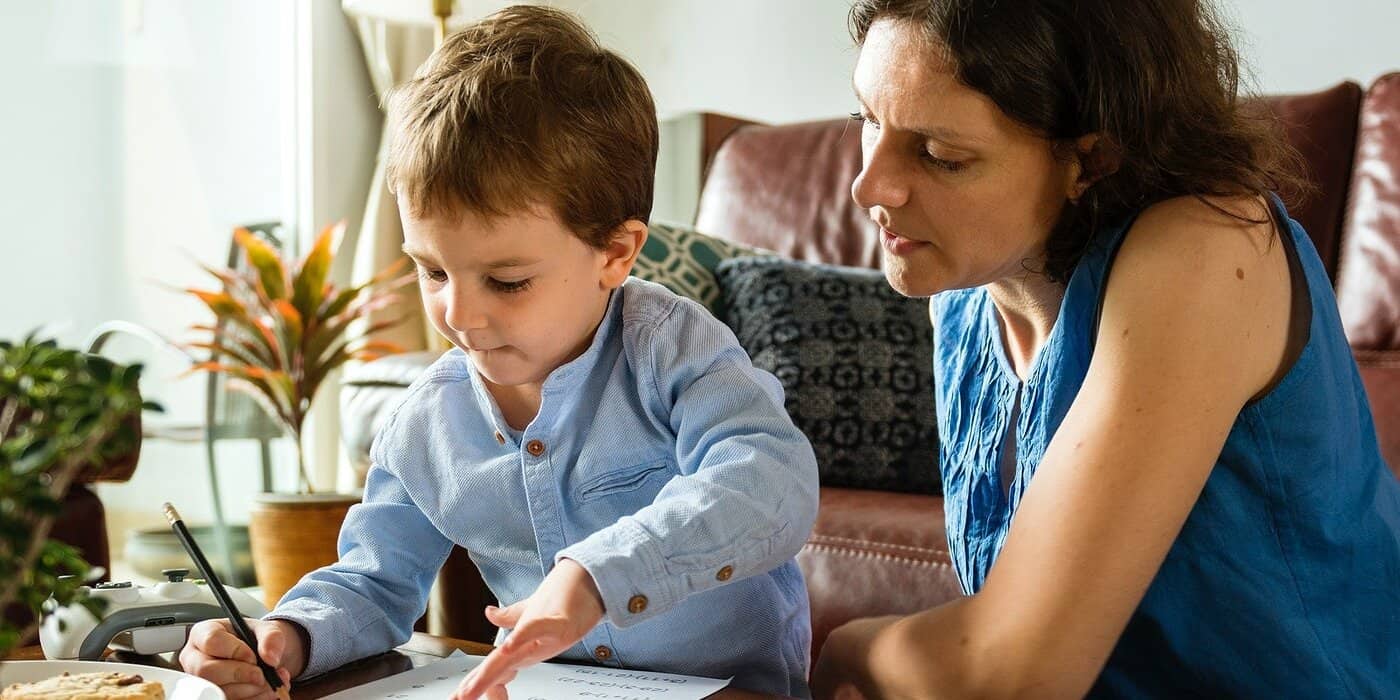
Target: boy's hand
x,y
217,655
555,617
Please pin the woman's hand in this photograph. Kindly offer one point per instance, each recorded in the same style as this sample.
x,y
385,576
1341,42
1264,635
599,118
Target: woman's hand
x,y
566,606
841,666
217,655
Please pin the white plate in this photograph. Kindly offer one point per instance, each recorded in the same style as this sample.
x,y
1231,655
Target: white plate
x,y
178,686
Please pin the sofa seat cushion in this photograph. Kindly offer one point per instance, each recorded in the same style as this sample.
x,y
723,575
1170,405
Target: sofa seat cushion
x,y
853,357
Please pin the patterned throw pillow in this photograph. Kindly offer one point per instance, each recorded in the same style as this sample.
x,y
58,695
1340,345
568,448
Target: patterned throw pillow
x,y
684,260
856,362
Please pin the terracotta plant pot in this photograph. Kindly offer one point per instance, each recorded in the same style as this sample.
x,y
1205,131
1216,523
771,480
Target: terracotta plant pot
x,y
293,535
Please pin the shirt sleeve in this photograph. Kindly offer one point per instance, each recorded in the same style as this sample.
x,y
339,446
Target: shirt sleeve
x,y
746,498
366,603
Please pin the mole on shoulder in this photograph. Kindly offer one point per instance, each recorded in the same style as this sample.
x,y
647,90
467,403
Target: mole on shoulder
x,y
1239,272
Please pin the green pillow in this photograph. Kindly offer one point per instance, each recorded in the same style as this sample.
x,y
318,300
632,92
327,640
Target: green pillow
x,y
684,260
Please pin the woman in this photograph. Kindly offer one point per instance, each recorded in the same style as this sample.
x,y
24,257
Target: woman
x,y
1138,356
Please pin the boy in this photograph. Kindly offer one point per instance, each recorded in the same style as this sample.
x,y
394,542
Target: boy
x,y
628,483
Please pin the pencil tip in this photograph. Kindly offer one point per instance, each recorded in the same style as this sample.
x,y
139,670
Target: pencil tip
x,y
170,513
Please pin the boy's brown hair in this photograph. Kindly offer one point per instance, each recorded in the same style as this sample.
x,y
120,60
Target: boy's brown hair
x,y
522,108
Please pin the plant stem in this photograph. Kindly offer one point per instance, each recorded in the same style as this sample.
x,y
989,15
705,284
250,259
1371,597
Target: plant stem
x,y
301,463
7,417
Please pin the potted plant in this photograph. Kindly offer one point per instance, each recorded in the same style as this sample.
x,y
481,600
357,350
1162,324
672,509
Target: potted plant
x,y
62,413
279,332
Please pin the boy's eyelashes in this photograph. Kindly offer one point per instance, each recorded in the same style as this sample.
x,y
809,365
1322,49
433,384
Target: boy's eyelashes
x,y
505,286
431,275
509,287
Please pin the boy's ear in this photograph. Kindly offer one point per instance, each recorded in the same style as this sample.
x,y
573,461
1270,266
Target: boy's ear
x,y
621,252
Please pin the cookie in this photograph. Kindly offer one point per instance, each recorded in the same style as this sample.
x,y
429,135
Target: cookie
x,y
87,686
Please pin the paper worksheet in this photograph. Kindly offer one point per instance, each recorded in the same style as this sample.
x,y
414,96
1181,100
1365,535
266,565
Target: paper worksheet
x,y
549,681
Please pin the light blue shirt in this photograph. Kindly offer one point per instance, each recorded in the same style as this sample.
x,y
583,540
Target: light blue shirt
x,y
661,460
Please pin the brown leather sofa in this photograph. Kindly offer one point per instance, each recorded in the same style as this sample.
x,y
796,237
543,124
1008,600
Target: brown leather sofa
x,y
787,189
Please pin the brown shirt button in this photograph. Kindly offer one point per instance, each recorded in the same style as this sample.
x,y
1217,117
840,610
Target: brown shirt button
x,y
500,439
602,653
637,604
724,573
535,447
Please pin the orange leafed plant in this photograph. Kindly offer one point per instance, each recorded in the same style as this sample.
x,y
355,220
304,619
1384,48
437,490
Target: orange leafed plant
x,y
279,332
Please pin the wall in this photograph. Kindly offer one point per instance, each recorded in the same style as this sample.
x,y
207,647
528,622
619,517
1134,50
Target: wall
x,y
60,149
1301,45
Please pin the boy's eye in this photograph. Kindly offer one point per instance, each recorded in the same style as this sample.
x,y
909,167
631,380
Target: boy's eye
x,y
509,287
432,275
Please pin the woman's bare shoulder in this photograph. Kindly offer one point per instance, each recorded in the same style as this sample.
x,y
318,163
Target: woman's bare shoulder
x,y
1211,272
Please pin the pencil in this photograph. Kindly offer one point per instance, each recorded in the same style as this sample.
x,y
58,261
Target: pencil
x,y
235,618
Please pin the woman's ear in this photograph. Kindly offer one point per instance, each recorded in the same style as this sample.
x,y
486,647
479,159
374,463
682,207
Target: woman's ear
x,y
621,252
1095,157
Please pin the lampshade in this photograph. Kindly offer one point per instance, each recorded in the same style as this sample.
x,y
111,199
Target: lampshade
x,y
420,12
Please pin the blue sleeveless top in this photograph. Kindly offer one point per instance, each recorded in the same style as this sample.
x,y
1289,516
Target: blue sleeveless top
x,y
1284,580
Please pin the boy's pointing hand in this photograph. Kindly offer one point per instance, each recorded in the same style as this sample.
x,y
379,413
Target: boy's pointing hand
x,y
555,617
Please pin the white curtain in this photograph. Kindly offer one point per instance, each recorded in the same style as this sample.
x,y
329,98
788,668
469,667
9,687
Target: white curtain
x,y
393,51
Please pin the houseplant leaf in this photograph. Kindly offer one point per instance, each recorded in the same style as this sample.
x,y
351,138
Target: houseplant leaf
x,y
267,263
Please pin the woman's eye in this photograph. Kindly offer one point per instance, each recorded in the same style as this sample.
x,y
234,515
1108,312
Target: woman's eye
x,y
951,166
509,287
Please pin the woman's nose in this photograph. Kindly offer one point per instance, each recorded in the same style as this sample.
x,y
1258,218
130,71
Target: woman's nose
x,y
881,182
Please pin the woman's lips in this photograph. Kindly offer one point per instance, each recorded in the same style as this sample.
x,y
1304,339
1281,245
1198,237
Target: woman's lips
x,y
896,244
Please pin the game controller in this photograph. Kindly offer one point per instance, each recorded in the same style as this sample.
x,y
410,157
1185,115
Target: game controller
x,y
144,619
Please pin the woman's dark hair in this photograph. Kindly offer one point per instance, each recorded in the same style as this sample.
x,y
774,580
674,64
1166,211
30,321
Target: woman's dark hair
x,y
1159,79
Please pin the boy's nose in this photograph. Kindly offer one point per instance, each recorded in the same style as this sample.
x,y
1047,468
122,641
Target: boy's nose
x,y
462,316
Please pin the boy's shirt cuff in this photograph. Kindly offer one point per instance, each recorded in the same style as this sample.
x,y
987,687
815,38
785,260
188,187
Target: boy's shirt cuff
x,y
629,570
328,632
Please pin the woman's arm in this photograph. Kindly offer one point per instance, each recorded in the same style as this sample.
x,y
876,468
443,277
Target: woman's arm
x,y
1195,323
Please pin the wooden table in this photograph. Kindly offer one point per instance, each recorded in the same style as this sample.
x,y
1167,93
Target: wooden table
x,y
420,650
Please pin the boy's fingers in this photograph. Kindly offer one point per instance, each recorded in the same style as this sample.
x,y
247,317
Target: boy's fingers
x,y
464,688
244,691
223,644
224,672
532,642
271,643
506,617
213,638
496,666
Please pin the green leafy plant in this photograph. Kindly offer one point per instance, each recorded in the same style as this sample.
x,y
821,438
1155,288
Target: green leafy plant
x,y
279,332
61,412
